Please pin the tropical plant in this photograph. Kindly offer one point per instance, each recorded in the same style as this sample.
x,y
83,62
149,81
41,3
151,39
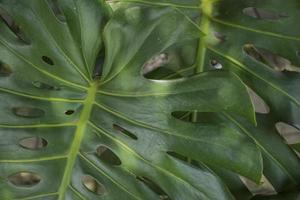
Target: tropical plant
x,y
148,99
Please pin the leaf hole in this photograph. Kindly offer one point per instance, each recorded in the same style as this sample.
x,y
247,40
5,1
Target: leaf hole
x,y
125,132
202,117
69,112
177,155
221,37
260,105
92,185
270,59
183,158
28,112
290,133
108,156
13,26
262,14
5,70
33,143
25,179
47,60
57,11
216,64
154,187
44,86
154,63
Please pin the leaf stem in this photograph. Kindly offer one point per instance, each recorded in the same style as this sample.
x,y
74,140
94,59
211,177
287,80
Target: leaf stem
x,y
79,134
206,8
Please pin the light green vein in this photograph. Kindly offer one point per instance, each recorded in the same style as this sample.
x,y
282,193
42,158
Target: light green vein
x,y
36,125
34,160
242,66
110,178
41,98
178,72
77,193
256,30
143,159
155,3
110,93
38,196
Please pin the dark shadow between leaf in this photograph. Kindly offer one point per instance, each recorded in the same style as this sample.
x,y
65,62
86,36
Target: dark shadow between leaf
x,y
13,26
154,187
125,132
5,70
263,14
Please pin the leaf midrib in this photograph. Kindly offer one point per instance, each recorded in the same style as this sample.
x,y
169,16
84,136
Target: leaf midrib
x,y
78,137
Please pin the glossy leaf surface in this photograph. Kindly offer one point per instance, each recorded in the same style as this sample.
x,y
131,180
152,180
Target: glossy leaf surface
x,y
115,136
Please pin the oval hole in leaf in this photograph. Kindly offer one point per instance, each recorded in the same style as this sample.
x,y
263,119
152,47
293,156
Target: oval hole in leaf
x,y
221,37
70,112
47,60
183,158
5,70
33,143
259,104
259,13
154,187
216,64
24,179
290,133
28,112
270,59
41,85
92,185
12,25
125,132
177,155
108,156
154,63
55,7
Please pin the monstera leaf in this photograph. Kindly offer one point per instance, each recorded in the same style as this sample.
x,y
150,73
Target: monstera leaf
x,y
82,119
256,40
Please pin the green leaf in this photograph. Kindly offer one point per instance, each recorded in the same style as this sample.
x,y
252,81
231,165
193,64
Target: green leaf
x,y
257,40
113,137
283,196
296,146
